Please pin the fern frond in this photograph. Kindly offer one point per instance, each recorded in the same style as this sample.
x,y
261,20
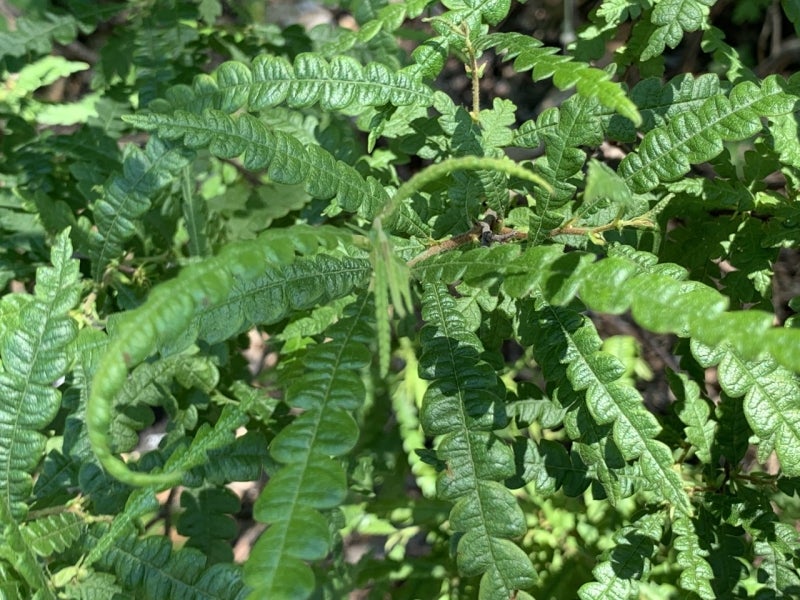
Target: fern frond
x,y
564,131
37,35
34,355
178,306
464,404
341,84
128,196
529,53
658,102
696,574
53,533
285,159
693,137
617,577
659,296
694,411
771,400
311,478
206,520
674,18
150,568
567,338
16,552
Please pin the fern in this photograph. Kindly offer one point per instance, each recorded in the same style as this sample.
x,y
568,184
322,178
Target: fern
x,y
465,410
310,478
285,159
770,399
528,53
666,152
572,340
128,196
153,569
627,562
34,356
673,18
321,270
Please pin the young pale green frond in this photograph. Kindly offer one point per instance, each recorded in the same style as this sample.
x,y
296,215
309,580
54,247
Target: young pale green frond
x,y
529,53
35,354
180,305
311,478
695,136
464,405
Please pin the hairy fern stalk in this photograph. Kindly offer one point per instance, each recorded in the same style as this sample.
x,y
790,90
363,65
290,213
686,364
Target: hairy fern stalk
x,y
517,348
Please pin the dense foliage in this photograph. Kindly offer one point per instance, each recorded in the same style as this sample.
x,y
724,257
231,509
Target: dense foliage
x,y
287,254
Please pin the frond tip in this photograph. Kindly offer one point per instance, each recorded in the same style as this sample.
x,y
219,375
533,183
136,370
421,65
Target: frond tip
x,y
529,53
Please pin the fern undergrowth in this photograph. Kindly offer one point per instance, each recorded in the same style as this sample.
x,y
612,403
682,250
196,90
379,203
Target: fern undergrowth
x,y
516,349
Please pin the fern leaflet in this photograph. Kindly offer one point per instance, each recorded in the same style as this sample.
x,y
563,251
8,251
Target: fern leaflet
x,y
464,405
311,477
34,356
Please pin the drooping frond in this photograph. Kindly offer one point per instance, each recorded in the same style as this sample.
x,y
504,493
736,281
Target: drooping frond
x,y
658,295
310,478
35,354
181,305
464,404
529,53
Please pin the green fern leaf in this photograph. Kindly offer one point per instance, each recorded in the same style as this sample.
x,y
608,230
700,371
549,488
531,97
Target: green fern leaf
x,y
692,137
127,197
628,562
693,411
697,574
206,520
285,159
528,53
464,410
162,322
771,400
37,36
53,533
574,341
150,568
778,570
659,102
34,356
310,478
673,18
341,84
